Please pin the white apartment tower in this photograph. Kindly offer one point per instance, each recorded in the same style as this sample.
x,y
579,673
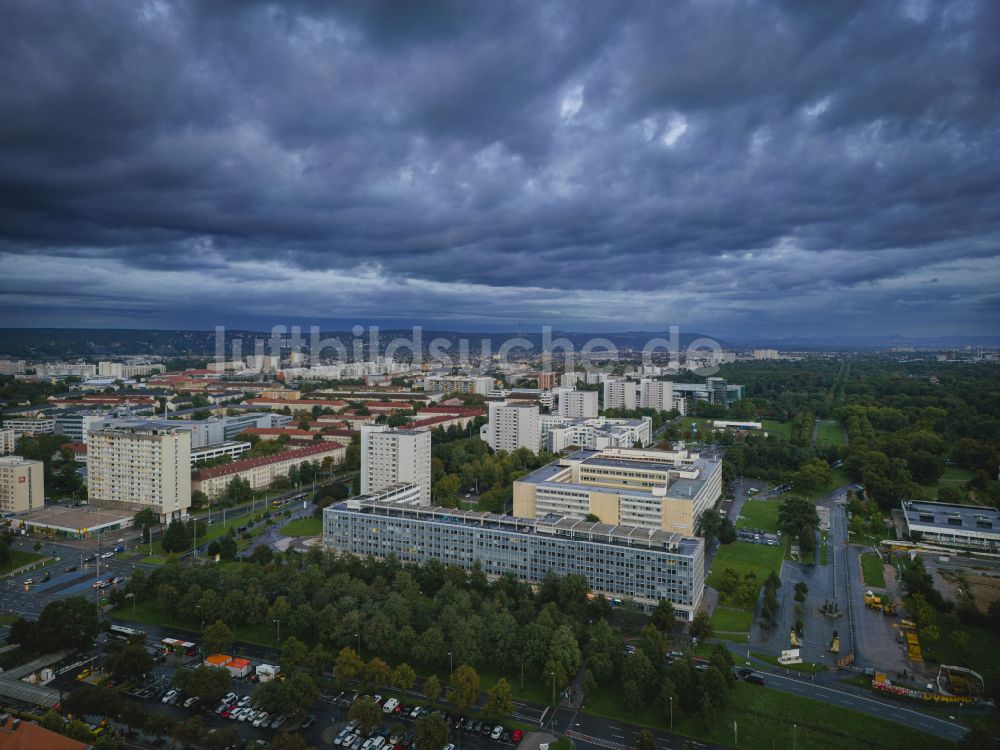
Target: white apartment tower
x,y
8,438
578,404
620,393
656,394
512,426
140,466
391,456
22,485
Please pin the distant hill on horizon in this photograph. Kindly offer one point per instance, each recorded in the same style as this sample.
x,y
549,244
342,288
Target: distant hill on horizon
x,y
41,343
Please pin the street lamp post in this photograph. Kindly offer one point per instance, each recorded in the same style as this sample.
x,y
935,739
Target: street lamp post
x,y
671,713
795,736
358,636
451,665
277,621
553,692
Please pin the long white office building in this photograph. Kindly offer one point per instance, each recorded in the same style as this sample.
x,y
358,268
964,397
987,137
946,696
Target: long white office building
x,y
391,456
618,561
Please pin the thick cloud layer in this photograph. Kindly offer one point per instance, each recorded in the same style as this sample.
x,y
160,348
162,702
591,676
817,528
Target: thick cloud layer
x,y
734,167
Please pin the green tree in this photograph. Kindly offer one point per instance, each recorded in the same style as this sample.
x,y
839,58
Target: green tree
x,y
189,732
499,700
432,688
66,623
464,690
349,665
431,732
366,713
177,537
217,637
288,696
403,676
663,616
289,741
129,662
208,683
701,626
376,673
646,741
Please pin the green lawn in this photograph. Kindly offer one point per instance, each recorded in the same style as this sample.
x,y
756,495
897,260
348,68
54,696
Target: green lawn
x,y
743,558
953,476
759,514
303,527
704,426
871,570
782,430
765,717
839,480
829,434
21,559
731,620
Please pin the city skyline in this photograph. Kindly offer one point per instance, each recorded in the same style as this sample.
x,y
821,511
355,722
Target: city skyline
x,y
729,168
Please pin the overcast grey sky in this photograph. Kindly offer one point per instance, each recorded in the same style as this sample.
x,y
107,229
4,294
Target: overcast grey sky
x,y
773,168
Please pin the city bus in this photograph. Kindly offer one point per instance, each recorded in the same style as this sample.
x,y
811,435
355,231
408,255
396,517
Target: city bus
x,y
122,633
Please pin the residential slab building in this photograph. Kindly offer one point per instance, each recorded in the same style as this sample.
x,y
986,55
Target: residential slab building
x,y
577,404
656,489
22,485
391,456
618,561
560,433
512,426
646,393
570,379
8,438
260,472
465,384
139,466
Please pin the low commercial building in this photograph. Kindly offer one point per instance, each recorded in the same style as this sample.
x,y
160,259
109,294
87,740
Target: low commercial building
x,y
653,489
261,472
22,485
77,523
966,526
620,562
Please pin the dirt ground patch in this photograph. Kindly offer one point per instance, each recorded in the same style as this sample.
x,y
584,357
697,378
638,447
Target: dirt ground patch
x,y
984,590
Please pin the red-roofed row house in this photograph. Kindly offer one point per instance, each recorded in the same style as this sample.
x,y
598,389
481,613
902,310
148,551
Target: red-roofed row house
x,y
260,472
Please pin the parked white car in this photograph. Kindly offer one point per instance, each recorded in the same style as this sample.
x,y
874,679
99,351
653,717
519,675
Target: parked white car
x,y
389,706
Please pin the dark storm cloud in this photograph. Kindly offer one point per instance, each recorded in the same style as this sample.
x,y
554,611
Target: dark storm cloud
x,y
712,164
